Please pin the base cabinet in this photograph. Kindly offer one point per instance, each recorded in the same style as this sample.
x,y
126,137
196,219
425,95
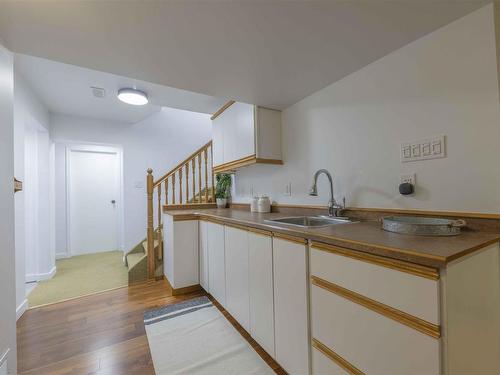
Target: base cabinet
x,y
260,259
237,290
216,262
291,306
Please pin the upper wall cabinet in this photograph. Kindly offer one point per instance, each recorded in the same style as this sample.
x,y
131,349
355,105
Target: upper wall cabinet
x,y
245,134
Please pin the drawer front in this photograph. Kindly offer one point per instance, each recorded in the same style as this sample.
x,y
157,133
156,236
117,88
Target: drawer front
x,y
372,342
405,291
322,365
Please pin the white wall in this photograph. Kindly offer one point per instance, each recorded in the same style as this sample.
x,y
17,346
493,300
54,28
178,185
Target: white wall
x,y
7,226
34,253
444,83
160,142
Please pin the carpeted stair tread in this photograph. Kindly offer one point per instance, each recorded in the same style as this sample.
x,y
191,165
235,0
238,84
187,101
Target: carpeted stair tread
x,y
133,259
145,245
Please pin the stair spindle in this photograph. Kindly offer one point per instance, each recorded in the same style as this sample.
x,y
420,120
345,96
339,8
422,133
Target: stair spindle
x,y
193,166
187,182
173,188
159,205
166,191
206,175
180,185
199,178
212,173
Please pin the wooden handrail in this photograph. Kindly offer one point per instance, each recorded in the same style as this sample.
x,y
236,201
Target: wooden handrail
x,y
181,164
177,176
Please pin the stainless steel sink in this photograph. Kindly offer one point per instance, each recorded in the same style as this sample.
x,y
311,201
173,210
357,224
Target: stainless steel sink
x,y
310,221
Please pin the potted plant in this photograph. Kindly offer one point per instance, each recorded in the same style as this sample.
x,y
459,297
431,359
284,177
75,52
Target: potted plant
x,y
222,189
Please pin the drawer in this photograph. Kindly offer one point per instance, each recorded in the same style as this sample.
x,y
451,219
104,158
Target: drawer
x,y
323,364
405,286
372,342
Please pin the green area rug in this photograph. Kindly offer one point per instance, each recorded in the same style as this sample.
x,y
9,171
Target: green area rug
x,y
81,275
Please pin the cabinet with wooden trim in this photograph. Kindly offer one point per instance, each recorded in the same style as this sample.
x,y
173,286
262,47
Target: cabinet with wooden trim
x,y
244,134
291,304
260,265
375,315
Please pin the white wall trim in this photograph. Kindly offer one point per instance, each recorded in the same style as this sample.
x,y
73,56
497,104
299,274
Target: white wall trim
x,y
21,308
93,147
62,256
41,276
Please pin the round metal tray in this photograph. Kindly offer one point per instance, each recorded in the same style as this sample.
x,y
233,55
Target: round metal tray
x,y
422,226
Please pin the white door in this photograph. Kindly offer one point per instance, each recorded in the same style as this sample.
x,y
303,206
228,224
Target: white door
x,y
93,194
216,262
237,298
260,269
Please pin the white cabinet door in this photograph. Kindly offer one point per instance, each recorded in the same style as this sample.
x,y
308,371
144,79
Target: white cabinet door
x,y
260,259
242,131
290,306
203,254
216,262
234,133
218,141
236,253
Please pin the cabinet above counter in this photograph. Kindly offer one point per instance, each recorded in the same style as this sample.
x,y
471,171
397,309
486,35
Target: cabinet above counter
x,y
245,134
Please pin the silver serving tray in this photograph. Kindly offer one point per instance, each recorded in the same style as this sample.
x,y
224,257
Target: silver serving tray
x,y
422,226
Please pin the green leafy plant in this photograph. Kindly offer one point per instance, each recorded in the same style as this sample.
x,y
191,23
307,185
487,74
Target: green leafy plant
x,y
223,186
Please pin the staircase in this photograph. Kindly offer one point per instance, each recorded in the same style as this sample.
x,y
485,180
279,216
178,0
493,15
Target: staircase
x,y
189,184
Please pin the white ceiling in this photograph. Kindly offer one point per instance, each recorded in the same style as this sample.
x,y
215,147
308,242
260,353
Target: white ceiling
x,y
67,89
271,53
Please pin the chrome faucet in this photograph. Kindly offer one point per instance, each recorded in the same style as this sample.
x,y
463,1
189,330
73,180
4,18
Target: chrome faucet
x,y
334,209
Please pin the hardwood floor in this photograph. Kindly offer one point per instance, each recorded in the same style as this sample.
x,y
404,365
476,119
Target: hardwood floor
x,y
100,334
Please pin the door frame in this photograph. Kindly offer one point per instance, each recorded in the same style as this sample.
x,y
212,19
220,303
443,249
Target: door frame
x,y
107,149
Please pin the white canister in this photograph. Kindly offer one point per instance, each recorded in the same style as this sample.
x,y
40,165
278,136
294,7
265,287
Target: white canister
x,y
254,205
264,204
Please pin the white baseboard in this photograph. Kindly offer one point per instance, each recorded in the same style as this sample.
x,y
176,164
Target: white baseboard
x,y
62,255
41,276
21,308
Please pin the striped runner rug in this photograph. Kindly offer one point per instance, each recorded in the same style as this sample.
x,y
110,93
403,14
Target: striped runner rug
x,y
193,337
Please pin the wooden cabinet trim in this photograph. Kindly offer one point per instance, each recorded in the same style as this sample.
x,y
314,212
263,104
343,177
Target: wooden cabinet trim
x,y
243,162
229,166
185,217
260,231
411,321
399,265
287,237
346,365
222,109
236,226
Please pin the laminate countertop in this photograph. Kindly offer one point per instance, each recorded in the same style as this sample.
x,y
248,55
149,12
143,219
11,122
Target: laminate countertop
x,y
364,236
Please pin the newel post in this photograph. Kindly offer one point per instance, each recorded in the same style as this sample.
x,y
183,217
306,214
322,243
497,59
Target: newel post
x,y
150,228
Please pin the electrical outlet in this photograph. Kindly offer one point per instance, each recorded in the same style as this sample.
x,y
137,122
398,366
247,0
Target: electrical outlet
x,y
408,178
288,189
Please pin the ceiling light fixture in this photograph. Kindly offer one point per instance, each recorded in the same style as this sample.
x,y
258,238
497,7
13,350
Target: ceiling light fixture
x,y
133,96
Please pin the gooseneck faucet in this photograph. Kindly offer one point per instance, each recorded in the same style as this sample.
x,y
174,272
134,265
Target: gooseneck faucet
x,y
334,209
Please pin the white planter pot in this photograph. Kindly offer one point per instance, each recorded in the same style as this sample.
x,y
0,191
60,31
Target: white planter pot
x,y
221,202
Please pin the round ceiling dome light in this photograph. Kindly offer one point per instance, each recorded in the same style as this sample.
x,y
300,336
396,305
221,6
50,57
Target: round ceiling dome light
x,y
133,96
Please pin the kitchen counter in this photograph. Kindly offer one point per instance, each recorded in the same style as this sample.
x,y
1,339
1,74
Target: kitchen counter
x,y
362,236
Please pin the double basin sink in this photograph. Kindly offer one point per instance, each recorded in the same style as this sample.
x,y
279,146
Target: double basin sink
x,y
310,221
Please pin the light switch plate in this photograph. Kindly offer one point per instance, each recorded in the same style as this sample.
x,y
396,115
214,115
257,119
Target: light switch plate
x,y
409,178
431,148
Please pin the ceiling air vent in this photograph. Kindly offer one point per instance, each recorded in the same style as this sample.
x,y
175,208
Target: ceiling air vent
x,y
98,92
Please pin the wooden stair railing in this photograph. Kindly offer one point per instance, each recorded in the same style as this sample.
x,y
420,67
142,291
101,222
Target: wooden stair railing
x,y
194,173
